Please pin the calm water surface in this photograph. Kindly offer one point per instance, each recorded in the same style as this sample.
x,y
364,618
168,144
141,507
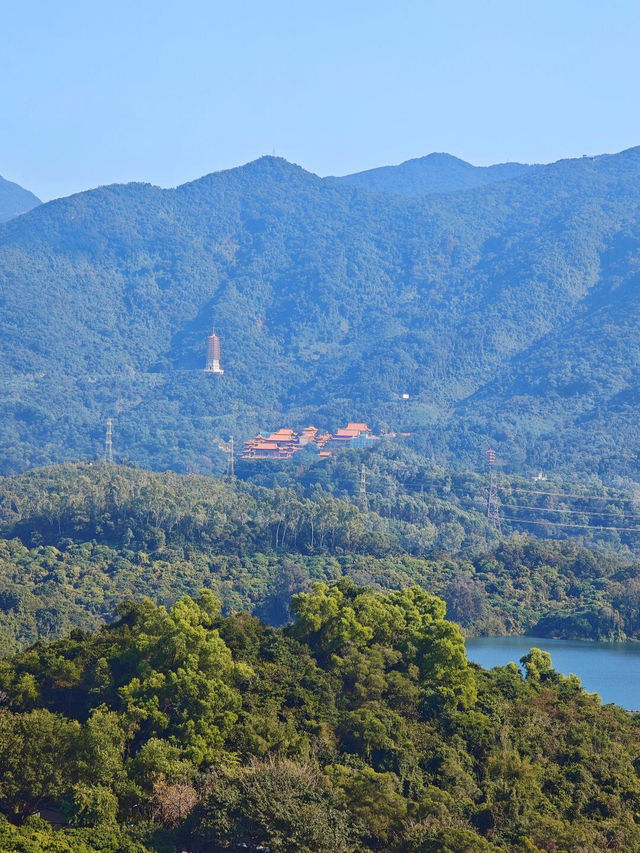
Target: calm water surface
x,y
610,669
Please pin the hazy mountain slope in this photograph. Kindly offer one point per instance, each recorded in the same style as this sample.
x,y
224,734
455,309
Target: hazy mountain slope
x,y
15,200
435,173
331,302
581,386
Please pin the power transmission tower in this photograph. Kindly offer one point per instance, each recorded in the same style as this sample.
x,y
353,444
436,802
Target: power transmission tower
x,y
231,464
228,448
108,443
493,500
364,501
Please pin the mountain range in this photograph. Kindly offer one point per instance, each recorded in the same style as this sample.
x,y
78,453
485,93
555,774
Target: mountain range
x,y
435,173
15,200
502,300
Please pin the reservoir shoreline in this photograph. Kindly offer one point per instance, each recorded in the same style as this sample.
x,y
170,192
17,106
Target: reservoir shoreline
x,y
611,669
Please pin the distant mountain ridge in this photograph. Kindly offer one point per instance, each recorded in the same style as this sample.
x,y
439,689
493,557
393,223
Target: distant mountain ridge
x,y
435,173
507,312
15,200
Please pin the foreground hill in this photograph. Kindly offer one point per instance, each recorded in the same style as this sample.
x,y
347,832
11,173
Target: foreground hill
x,y
494,308
15,200
359,727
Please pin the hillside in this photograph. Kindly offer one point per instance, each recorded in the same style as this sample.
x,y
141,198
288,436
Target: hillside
x,y
495,308
359,727
15,200
76,540
435,173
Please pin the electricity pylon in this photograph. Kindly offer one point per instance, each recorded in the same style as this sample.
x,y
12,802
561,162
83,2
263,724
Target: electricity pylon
x,y
228,448
108,442
364,501
493,499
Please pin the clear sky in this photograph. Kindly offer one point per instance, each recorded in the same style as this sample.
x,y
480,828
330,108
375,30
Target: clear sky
x,y
93,92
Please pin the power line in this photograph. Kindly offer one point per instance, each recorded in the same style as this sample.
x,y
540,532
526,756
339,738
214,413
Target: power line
x,y
573,495
574,511
512,508
581,526
430,482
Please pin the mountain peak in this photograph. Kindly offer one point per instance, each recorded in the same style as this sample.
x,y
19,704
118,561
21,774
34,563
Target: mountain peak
x,y
434,173
438,157
271,160
272,164
265,168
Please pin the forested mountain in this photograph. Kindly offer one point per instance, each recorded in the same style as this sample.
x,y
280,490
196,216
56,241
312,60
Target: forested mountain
x,y
435,173
508,312
15,200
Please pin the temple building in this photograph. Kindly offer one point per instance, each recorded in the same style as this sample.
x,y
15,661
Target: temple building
x,y
283,443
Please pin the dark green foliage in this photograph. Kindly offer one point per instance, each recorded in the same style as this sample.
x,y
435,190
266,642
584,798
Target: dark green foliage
x,y
359,727
287,802
37,836
507,312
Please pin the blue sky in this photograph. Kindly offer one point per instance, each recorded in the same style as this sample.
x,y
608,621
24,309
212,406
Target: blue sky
x,y
96,92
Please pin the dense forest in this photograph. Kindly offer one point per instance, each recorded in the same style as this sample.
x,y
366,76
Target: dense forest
x,y
79,539
360,726
283,670
506,311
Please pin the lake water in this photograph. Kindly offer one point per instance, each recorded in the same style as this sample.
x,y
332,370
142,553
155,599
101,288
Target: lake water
x,y
610,669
